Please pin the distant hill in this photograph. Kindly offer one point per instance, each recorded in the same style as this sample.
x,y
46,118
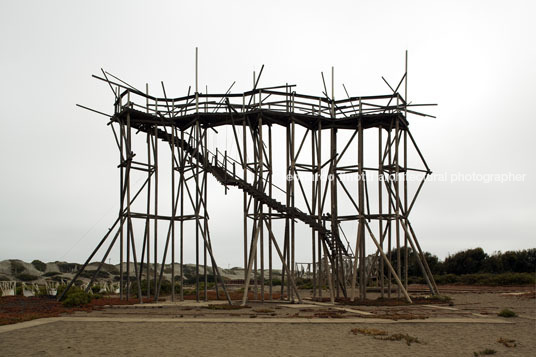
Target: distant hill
x,y
39,272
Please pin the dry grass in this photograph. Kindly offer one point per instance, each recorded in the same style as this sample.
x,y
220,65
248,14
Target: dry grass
x,y
384,336
368,331
338,314
399,337
416,300
398,316
487,351
507,342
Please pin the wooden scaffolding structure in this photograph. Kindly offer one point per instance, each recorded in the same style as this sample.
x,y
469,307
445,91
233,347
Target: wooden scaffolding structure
x,y
311,124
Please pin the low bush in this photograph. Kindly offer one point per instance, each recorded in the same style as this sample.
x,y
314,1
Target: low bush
x,y
76,297
51,273
486,352
276,281
487,279
506,313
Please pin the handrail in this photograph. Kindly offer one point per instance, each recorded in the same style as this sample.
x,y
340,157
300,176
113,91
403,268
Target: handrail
x,y
269,98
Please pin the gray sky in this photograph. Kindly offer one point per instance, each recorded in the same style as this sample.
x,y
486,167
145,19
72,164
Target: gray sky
x,y
59,181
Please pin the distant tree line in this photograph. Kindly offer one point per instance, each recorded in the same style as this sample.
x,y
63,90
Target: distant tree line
x,y
472,261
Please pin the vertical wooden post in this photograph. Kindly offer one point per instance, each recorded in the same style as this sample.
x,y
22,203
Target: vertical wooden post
x,y
397,203
319,199
390,213
129,224
261,185
205,219
333,186
245,196
270,172
361,227
156,168
380,208
149,180
406,255
173,212
121,195
181,190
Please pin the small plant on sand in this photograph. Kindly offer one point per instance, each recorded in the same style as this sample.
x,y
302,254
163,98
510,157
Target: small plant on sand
x,y
368,331
382,335
487,351
507,313
399,337
507,342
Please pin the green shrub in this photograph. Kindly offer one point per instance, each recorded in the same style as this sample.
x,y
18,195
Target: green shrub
x,y
507,313
487,279
76,297
39,265
446,279
51,273
485,352
304,283
276,281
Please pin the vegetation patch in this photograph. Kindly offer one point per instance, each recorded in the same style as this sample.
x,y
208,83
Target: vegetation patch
x,y
383,335
14,309
397,316
507,342
330,314
368,332
416,300
487,351
76,298
399,337
39,265
507,313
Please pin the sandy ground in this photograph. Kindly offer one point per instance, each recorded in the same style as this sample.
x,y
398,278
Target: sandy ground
x,y
278,329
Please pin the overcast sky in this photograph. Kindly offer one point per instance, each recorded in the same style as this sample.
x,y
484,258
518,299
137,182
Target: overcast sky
x,y
59,176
